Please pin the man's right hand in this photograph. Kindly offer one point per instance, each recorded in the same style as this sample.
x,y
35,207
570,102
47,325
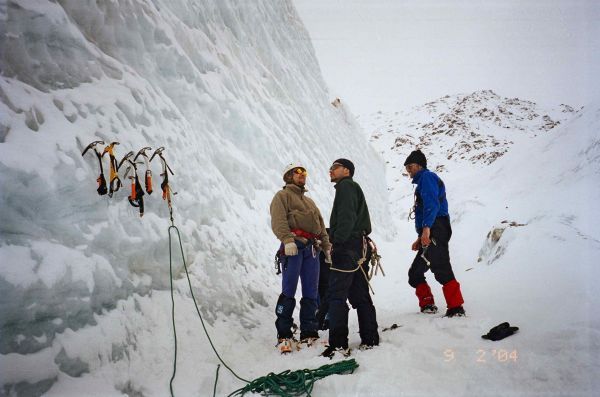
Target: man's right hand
x,y
291,249
417,244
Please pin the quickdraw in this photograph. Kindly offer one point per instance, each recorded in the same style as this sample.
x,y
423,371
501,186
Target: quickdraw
x,y
148,178
136,198
102,190
375,259
115,182
166,188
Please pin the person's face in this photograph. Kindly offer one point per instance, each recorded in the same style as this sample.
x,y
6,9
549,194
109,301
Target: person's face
x,y
299,176
412,169
337,172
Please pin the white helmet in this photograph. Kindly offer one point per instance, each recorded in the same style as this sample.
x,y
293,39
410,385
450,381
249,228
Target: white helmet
x,y
291,166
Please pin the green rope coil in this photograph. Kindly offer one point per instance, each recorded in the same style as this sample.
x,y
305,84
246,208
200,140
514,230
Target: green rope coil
x,y
295,383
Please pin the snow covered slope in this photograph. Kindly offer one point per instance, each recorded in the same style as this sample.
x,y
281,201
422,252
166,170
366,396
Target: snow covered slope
x,y
233,92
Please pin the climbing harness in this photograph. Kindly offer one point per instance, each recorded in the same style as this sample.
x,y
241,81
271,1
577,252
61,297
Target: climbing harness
x,y
166,188
115,182
102,189
136,198
148,176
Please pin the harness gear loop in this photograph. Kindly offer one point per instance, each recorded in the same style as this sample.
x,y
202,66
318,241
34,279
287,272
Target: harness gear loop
x,y
148,176
115,183
166,188
102,189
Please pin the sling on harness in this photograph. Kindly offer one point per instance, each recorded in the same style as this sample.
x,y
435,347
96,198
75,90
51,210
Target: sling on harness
x,y
102,190
115,182
148,178
136,198
166,188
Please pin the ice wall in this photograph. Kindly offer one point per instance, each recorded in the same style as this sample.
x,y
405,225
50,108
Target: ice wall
x,y
231,89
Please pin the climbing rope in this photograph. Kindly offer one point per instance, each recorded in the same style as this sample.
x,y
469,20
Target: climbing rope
x,y
195,305
296,383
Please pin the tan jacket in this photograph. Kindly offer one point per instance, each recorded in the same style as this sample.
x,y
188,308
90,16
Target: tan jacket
x,y
291,209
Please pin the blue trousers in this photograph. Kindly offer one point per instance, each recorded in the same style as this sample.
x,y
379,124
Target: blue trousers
x,y
303,267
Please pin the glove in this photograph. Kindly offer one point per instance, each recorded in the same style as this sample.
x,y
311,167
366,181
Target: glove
x,y
291,249
500,331
328,256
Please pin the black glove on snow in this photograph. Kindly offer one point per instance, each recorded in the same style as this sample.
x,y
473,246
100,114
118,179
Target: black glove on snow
x,y
500,331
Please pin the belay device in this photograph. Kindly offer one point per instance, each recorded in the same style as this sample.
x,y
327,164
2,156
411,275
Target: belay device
x,y
102,189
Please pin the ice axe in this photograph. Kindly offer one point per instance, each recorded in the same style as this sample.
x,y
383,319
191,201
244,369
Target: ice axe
x,y
148,179
166,188
425,248
136,198
102,190
115,182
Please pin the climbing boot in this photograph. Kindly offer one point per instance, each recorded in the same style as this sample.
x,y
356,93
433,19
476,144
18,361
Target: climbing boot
x,y
455,312
285,345
429,309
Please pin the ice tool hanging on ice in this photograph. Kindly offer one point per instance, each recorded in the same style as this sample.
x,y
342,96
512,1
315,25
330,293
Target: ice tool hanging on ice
x,y
115,182
102,190
166,188
148,176
136,198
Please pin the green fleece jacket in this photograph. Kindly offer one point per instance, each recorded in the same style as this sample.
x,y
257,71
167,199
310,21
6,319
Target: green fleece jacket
x,y
350,215
291,209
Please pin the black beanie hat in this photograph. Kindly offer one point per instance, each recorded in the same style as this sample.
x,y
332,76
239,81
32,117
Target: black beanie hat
x,y
416,157
346,163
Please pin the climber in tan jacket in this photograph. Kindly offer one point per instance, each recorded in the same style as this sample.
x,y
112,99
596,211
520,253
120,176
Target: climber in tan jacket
x,y
298,224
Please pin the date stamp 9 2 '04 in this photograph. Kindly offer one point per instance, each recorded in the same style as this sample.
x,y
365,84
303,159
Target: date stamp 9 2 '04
x,y
483,356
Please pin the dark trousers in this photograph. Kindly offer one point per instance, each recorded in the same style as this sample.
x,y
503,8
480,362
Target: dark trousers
x,y
323,287
437,254
350,286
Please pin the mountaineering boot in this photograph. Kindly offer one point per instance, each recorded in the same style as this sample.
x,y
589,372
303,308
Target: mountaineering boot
x,y
429,309
308,338
425,296
331,351
452,294
365,346
285,345
455,312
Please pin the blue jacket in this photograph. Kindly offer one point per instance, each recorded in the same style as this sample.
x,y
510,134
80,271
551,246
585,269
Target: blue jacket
x,y
430,199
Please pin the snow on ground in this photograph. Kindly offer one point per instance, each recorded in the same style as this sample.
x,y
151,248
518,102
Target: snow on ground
x,y
230,91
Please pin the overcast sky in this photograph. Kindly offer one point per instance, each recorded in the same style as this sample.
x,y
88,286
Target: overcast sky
x,y
393,54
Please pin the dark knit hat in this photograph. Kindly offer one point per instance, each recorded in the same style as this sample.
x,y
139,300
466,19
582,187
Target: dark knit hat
x,y
416,157
347,164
